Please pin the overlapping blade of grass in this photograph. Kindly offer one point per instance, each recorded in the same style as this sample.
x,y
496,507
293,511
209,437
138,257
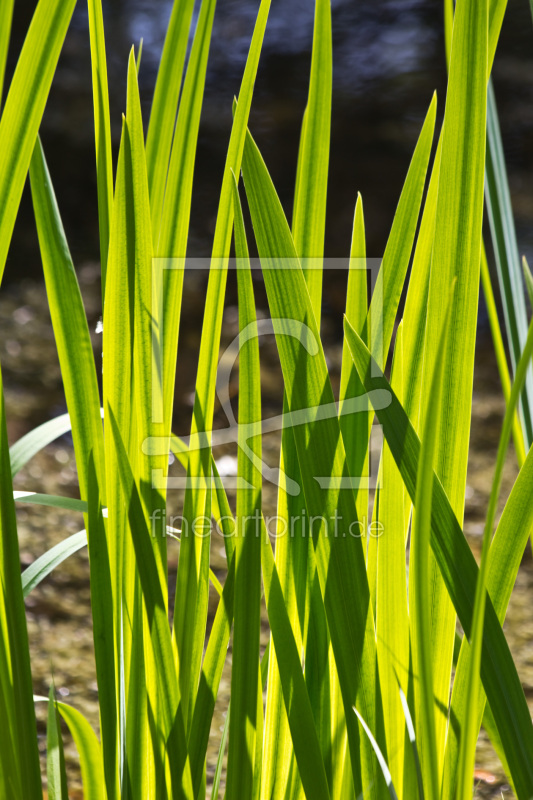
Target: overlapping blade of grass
x,y
170,718
191,589
470,730
340,559
19,754
501,355
31,443
118,398
355,428
144,746
103,632
55,756
380,757
88,746
392,620
299,712
69,322
415,310
456,253
51,500
391,278
144,334
45,564
309,216
102,130
24,107
420,598
503,234
496,12
506,553
459,571
165,105
467,710
83,401
6,15
171,232
295,571
244,725
528,279
215,657
412,741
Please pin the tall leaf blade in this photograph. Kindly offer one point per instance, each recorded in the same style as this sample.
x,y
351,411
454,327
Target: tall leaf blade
x,y
456,253
6,16
102,130
24,107
503,234
192,582
19,757
55,756
69,322
244,727
340,559
459,572
165,104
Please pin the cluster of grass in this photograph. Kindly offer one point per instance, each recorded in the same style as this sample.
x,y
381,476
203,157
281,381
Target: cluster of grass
x,y
353,696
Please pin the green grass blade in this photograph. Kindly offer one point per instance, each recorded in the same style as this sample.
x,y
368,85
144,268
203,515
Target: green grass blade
x,y
171,232
356,427
171,718
459,571
144,390
294,559
470,730
165,104
299,712
88,746
309,217
420,598
220,757
192,584
215,656
103,633
69,322
380,757
6,16
496,14
467,716
340,560
45,564
118,396
500,353
392,619
456,253
528,278
102,130
51,500
55,757
247,613
503,234
24,107
34,441
19,755
391,278
415,310
412,740
144,743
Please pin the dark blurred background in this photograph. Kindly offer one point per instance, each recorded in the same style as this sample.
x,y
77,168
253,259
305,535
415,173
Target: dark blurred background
x,y
388,59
